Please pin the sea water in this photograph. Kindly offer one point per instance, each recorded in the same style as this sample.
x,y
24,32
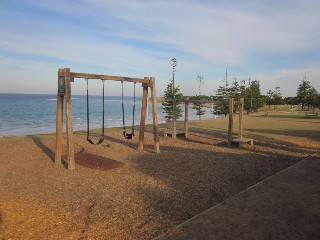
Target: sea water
x,y
27,114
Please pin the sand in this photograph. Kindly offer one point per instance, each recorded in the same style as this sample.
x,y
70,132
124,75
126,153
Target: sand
x,y
146,194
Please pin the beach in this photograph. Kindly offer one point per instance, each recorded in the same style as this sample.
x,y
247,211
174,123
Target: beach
x,y
147,194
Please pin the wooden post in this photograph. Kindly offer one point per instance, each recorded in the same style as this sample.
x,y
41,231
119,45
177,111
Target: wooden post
x,y
155,116
59,121
143,115
230,126
186,116
240,117
174,118
69,128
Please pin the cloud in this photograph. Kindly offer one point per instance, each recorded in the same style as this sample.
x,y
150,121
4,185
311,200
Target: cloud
x,y
138,38
288,79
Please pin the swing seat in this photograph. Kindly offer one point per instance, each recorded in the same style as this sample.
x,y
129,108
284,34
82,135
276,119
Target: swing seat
x,y
128,135
242,142
97,143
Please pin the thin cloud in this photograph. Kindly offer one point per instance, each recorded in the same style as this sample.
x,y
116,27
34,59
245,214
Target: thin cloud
x,y
136,37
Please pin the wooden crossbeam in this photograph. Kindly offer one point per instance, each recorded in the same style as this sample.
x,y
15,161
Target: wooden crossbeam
x,y
199,101
74,75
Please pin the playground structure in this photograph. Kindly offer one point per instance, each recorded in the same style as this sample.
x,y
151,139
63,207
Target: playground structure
x,y
174,133
66,77
240,141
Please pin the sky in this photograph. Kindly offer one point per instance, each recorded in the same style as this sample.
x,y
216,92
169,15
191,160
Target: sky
x,y
275,42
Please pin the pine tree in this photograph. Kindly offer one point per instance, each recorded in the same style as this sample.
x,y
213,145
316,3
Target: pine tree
x,y
312,98
252,96
307,94
222,94
168,102
199,106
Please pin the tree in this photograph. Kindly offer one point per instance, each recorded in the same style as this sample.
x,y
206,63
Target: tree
x,y
252,96
169,93
168,101
222,94
303,91
312,98
199,106
307,94
318,101
291,100
277,97
270,98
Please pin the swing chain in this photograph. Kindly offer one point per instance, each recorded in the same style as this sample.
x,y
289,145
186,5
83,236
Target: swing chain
x,y
88,115
125,134
134,107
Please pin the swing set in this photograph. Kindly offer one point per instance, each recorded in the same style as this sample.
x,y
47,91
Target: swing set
x,y
65,78
102,136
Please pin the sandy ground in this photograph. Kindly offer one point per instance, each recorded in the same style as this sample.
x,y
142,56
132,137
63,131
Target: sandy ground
x,y
293,193
148,193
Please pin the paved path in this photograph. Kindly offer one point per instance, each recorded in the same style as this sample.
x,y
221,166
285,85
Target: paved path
x,y
283,206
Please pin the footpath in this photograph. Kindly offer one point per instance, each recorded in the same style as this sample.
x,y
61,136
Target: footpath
x,y
283,206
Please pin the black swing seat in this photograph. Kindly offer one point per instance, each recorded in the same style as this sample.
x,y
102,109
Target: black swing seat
x,y
97,143
97,135
128,135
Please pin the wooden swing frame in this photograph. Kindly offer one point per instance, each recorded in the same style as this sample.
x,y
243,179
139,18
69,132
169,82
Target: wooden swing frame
x,y
65,78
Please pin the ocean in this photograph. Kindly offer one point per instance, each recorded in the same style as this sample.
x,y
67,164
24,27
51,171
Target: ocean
x,y
28,114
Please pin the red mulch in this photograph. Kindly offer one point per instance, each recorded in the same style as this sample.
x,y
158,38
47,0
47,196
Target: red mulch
x,y
96,162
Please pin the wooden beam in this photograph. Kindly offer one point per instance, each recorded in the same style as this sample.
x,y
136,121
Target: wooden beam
x,y
143,117
174,117
200,101
186,116
108,77
240,118
59,124
70,144
230,126
155,116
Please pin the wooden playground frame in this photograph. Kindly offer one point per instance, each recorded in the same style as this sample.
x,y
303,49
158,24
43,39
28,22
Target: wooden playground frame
x,y
66,77
240,141
186,102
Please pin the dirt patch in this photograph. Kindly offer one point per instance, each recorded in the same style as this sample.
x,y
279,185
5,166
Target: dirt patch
x,y
96,162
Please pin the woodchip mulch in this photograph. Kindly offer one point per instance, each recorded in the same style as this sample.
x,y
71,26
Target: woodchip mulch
x,y
142,197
